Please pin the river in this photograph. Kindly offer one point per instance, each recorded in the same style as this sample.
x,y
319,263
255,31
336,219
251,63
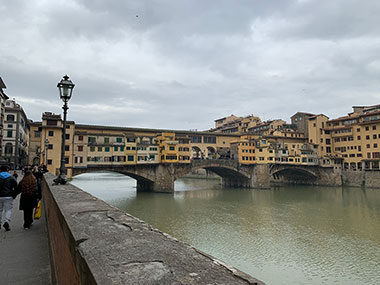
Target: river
x,y
285,235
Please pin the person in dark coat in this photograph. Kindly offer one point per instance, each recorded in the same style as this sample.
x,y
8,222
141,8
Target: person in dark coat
x,y
8,185
29,197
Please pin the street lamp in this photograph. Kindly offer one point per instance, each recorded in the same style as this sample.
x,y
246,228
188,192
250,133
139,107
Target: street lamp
x,y
46,151
65,87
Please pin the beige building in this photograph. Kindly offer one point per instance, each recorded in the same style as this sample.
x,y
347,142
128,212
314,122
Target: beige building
x,y
15,135
234,124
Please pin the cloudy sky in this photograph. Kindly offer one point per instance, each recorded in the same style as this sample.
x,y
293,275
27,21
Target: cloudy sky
x,y
182,64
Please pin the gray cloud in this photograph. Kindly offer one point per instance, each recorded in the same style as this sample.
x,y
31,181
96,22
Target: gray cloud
x,y
182,64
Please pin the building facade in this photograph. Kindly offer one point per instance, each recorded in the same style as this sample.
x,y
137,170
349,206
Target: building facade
x,y
3,99
15,135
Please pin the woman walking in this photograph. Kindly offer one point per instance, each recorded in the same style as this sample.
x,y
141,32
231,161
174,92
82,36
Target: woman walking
x,y
29,197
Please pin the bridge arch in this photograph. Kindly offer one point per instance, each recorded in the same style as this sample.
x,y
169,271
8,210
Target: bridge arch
x,y
296,175
143,183
229,171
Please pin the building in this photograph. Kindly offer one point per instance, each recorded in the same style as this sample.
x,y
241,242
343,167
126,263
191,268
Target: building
x,y
235,125
3,98
16,135
300,120
87,145
266,128
353,140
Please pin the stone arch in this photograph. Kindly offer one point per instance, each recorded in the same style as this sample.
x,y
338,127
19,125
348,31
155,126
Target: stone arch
x,y
196,152
36,160
294,175
143,183
211,152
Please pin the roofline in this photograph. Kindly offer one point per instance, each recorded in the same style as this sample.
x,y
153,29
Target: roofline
x,y
131,129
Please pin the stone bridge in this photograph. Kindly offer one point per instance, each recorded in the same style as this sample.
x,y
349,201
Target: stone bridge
x,y
161,177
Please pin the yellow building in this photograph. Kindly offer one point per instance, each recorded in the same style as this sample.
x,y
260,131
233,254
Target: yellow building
x,y
183,149
168,147
354,139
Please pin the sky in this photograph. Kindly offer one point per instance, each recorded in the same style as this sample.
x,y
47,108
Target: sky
x,y
176,64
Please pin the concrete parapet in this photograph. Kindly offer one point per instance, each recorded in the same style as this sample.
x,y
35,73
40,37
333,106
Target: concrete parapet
x,y
94,243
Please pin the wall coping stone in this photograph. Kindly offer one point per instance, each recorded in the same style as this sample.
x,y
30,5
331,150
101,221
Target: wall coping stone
x,y
121,249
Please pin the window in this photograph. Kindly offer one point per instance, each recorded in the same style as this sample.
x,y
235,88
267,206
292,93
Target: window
x,y
375,145
50,146
328,141
10,126
80,138
375,136
367,128
196,139
171,157
106,140
119,140
107,149
358,129
131,158
10,117
37,134
368,145
80,147
128,148
66,160
51,122
115,148
100,148
9,134
92,148
373,127
359,138
49,162
171,147
207,139
51,133
67,136
67,147
121,148
359,148
91,139
367,137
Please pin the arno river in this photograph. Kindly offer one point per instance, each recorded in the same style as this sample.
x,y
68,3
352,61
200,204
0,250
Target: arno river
x,y
287,235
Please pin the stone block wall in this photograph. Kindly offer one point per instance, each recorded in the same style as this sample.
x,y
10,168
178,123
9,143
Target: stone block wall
x,y
95,243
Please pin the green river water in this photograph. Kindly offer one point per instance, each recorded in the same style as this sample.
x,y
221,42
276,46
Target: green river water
x,y
285,235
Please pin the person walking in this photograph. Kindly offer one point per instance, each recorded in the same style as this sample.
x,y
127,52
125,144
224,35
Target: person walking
x,y
8,192
29,197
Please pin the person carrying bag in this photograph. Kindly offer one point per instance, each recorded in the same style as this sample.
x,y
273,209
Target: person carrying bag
x,y
30,195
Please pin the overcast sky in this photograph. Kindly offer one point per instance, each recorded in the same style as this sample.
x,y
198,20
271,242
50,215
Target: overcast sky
x,y
182,64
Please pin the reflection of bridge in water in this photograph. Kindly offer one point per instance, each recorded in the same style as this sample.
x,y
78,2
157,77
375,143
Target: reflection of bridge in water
x,y
161,177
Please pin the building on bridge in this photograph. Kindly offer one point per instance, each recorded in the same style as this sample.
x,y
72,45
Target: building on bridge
x,y
91,145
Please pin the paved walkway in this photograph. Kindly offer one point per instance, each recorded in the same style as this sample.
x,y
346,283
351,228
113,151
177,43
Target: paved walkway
x,y
24,254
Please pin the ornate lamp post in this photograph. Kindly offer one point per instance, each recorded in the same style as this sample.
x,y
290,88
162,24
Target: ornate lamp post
x,y
65,87
46,151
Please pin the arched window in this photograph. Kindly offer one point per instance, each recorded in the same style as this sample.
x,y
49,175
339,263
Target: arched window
x,y
10,118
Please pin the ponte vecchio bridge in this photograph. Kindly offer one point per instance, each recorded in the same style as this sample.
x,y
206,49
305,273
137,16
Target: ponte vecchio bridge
x,y
161,177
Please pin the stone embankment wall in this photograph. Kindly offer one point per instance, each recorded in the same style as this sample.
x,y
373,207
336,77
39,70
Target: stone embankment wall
x,y
94,243
367,178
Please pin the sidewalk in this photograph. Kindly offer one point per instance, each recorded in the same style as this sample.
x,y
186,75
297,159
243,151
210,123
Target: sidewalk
x,y
24,254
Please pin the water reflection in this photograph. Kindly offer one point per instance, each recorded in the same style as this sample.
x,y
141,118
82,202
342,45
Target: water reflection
x,y
298,235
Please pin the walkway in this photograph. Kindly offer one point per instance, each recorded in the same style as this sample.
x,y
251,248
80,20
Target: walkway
x,y
24,254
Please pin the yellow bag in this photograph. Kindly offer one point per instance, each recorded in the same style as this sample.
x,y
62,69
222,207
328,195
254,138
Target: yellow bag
x,y
37,211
